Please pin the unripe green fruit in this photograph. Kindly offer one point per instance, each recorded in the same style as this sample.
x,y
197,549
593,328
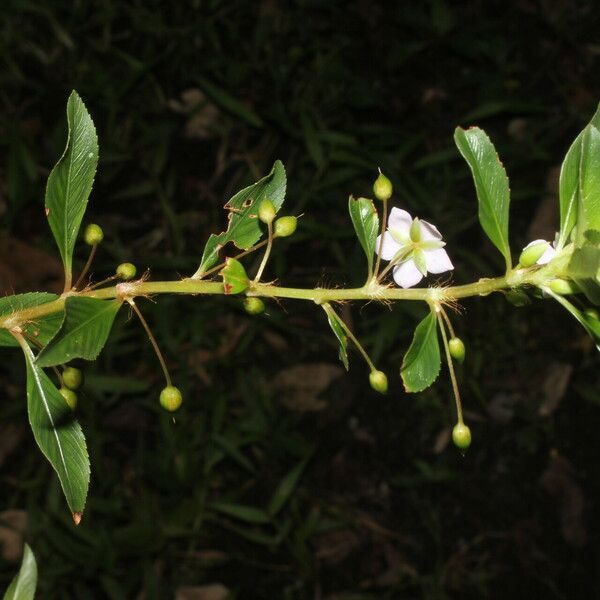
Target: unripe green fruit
x,y
266,211
254,306
457,349
170,398
70,397
93,234
126,271
532,254
72,378
378,381
461,436
561,287
517,298
382,188
285,226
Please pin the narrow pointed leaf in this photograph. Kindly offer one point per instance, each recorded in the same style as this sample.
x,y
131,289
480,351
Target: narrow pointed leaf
x,y
70,182
235,279
250,514
421,364
84,332
366,225
340,334
42,329
23,585
244,226
58,434
285,488
491,184
573,174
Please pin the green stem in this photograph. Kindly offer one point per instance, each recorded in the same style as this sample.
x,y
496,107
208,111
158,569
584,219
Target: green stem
x,y
87,266
370,292
266,255
459,413
383,228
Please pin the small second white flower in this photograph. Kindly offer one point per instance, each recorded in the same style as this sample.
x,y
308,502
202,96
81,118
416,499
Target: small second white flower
x,y
416,245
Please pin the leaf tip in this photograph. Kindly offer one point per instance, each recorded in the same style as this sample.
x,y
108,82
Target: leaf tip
x,y
77,516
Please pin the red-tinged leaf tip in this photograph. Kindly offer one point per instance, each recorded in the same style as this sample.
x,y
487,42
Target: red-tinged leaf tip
x,y
77,516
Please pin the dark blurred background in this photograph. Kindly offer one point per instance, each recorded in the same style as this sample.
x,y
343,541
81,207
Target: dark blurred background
x,y
265,486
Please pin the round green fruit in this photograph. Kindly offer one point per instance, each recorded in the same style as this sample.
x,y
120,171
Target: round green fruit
x,y
170,398
72,378
461,436
93,234
378,381
285,226
126,271
266,211
70,397
457,349
254,306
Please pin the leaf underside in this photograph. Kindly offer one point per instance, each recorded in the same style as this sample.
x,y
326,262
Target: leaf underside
x,y
366,225
422,362
24,583
57,434
341,336
84,332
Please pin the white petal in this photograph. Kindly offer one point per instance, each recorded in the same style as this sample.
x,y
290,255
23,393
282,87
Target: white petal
x,y
390,246
438,261
406,274
536,242
399,219
429,231
547,256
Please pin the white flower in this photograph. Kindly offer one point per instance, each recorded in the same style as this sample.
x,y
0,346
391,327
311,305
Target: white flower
x,y
542,254
415,245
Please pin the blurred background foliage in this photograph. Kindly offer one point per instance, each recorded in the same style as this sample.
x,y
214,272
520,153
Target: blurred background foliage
x,y
283,477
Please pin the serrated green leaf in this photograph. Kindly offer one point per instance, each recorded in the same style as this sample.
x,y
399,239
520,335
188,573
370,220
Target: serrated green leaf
x,y
366,225
491,184
574,174
84,332
57,434
285,488
340,334
23,585
584,270
244,228
70,182
592,326
422,362
249,514
42,329
235,279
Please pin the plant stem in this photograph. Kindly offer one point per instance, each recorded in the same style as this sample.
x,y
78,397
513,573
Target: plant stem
x,y
87,266
448,322
152,341
459,414
382,233
329,312
265,258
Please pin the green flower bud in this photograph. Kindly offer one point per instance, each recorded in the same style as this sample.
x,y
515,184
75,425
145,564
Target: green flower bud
x,y
93,234
72,378
285,226
461,436
70,397
254,305
533,253
170,398
126,271
457,349
266,211
382,188
562,287
378,381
